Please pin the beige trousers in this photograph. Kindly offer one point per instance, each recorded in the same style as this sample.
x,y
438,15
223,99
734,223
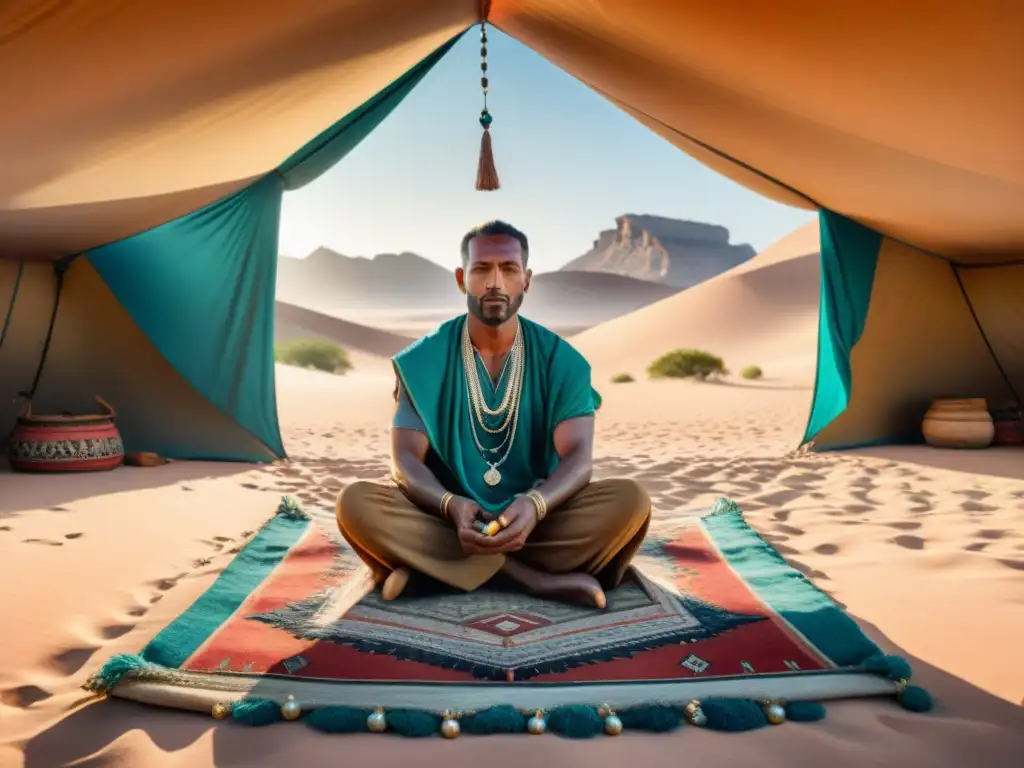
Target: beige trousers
x,y
597,532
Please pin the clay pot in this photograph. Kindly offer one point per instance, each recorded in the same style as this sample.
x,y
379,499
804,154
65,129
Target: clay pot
x,y
65,443
958,423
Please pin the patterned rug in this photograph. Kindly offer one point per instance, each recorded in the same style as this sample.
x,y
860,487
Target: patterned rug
x,y
710,612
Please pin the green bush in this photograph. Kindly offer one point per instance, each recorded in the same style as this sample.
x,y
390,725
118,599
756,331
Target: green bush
x,y
622,378
686,364
318,354
752,372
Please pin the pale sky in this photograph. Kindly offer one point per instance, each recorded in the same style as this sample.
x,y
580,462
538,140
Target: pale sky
x,y
569,163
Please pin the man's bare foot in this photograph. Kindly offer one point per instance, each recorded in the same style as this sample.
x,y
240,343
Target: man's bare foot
x,y
568,587
395,583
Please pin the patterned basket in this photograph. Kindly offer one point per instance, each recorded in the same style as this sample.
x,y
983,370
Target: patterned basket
x,y
65,443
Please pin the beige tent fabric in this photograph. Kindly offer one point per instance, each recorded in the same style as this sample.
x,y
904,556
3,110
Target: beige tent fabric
x,y
98,350
921,342
120,116
904,116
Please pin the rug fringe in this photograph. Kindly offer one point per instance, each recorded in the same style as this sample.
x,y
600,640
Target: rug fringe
x,y
574,721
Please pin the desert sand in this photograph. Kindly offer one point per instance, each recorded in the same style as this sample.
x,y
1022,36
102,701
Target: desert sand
x,y
923,547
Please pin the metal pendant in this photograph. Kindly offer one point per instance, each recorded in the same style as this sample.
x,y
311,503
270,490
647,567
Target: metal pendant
x,y
492,477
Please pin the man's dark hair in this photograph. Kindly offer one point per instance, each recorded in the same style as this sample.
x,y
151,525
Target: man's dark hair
x,y
495,228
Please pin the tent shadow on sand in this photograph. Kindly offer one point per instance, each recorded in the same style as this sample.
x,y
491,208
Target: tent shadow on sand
x,y
95,727
47,491
1005,462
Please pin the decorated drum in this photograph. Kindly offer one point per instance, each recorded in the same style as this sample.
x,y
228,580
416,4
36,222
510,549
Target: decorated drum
x,y
65,443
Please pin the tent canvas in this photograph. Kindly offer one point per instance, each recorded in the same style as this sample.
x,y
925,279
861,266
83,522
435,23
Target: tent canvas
x,y
154,173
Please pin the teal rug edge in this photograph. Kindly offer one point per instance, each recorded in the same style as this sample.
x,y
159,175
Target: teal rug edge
x,y
789,593
176,642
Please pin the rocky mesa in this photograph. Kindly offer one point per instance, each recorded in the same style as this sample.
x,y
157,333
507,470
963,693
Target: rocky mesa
x,y
673,252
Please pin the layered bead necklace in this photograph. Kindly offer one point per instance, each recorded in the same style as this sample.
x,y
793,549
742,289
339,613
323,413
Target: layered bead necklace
x,y
507,411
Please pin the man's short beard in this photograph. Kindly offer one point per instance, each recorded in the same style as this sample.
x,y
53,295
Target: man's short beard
x,y
489,315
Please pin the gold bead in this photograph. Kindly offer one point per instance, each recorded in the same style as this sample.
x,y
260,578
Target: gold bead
x,y
536,724
492,528
694,714
221,710
775,713
291,709
450,727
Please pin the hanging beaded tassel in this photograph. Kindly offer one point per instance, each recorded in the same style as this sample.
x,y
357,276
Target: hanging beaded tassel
x,y
486,173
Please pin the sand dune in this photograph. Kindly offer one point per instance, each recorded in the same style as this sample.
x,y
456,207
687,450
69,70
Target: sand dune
x,y
408,294
763,312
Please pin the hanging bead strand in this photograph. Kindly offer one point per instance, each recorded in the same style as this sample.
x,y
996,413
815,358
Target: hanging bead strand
x,y
486,174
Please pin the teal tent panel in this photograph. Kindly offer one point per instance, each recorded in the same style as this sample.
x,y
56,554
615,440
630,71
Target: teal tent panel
x,y
323,152
202,290
849,255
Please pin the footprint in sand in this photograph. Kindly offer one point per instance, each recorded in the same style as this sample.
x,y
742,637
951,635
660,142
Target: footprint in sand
x,y
47,542
24,696
992,534
789,530
909,542
1017,565
5,528
904,526
976,506
114,631
71,661
826,549
76,535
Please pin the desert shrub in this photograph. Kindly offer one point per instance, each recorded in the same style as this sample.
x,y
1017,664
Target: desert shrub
x,y
752,372
685,364
622,378
313,353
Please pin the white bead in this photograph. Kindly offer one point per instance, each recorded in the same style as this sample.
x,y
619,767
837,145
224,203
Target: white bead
x,y
376,722
612,725
536,725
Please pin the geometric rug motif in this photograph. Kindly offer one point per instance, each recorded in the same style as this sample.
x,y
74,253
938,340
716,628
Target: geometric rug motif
x,y
297,603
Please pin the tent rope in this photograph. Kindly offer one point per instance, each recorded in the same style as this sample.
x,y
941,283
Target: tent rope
x,y
984,336
59,268
10,307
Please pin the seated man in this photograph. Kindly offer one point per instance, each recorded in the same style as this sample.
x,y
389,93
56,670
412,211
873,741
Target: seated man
x,y
495,423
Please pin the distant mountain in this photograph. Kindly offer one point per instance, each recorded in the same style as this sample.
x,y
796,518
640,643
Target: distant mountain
x,y
406,289
673,252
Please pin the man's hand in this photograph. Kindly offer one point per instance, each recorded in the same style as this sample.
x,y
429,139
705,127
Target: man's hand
x,y
464,513
521,519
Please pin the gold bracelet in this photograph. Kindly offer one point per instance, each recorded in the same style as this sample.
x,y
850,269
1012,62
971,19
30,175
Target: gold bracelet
x,y
445,501
539,504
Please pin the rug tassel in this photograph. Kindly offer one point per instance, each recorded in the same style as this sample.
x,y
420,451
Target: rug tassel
x,y
500,719
256,712
911,697
486,173
655,718
575,721
339,719
115,668
733,715
804,711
